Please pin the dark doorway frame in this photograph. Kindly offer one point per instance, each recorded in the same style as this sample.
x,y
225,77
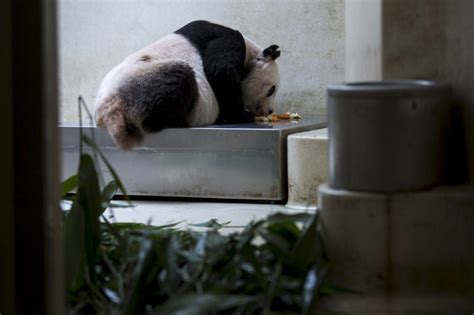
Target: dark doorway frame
x,y
32,271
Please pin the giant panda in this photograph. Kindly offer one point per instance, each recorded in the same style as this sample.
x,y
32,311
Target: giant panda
x,y
201,74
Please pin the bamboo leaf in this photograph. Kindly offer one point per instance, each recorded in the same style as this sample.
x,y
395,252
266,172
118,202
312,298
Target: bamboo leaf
x,y
280,217
112,171
145,227
111,204
143,270
309,248
108,192
89,199
112,295
74,247
287,230
312,283
279,245
212,223
69,185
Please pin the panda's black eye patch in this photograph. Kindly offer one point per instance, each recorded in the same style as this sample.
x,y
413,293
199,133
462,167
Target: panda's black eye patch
x,y
271,91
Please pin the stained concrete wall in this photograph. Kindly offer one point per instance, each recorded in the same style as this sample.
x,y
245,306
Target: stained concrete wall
x,y
434,39
95,35
413,39
459,50
420,39
363,35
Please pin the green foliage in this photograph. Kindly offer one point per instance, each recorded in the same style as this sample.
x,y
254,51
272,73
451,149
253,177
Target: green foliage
x,y
158,270
274,266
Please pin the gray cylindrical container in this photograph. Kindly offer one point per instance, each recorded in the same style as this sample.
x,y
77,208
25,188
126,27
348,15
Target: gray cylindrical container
x,y
387,136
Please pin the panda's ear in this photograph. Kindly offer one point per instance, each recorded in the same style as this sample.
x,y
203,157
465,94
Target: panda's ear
x,y
272,52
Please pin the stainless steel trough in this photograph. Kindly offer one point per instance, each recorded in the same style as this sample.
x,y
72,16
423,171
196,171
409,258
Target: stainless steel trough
x,y
244,161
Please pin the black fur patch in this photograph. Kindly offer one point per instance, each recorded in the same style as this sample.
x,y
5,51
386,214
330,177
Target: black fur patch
x,y
162,99
223,53
145,58
273,52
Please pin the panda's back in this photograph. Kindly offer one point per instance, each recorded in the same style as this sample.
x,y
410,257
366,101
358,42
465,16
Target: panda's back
x,y
172,47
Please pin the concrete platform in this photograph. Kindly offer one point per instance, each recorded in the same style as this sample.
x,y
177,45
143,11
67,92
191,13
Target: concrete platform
x,y
308,167
407,253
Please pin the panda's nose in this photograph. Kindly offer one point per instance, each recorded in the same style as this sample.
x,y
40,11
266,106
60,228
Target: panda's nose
x,y
270,111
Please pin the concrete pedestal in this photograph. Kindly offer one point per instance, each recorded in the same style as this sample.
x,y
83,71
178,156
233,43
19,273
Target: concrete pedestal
x,y
410,253
307,167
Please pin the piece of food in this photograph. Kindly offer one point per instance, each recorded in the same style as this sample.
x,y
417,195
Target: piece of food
x,y
295,116
281,116
277,117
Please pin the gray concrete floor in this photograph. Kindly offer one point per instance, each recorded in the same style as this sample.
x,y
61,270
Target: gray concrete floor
x,y
165,212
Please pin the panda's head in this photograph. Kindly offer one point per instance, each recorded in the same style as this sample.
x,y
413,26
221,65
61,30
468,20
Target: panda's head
x,y
262,81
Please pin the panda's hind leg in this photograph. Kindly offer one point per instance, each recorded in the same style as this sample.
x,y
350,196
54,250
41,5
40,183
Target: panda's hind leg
x,y
111,114
161,97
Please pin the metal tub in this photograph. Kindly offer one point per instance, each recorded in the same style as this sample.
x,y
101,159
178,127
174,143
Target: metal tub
x,y
245,161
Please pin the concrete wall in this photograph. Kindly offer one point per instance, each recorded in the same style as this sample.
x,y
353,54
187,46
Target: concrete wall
x,y
434,39
420,39
95,35
409,253
459,50
363,35
414,39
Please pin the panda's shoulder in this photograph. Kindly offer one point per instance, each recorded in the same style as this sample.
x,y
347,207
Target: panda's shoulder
x,y
201,32
205,28
201,26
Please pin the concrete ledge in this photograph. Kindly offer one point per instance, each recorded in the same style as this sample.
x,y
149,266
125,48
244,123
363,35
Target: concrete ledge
x,y
391,246
307,167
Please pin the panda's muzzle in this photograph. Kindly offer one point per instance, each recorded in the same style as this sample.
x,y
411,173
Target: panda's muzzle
x,y
261,111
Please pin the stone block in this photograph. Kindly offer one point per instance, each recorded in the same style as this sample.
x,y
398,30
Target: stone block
x,y
307,167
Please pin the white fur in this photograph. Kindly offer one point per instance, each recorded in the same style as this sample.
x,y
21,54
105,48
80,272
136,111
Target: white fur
x,y
262,76
110,112
170,48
